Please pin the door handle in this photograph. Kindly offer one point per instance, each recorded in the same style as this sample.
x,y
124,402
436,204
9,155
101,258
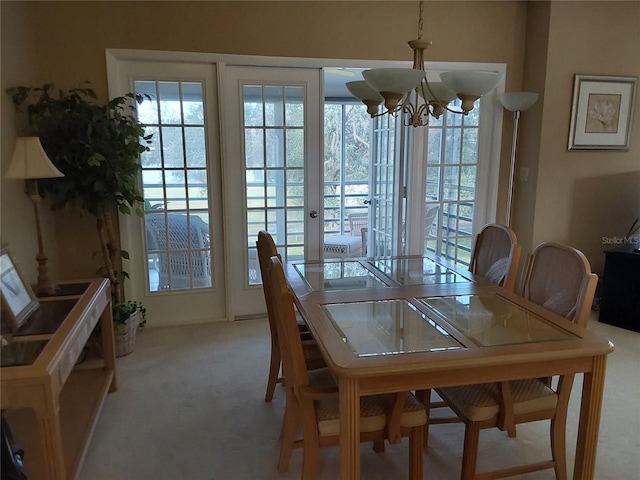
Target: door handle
x,y
313,214
367,202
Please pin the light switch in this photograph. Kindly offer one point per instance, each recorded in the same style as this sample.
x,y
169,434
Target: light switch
x,y
524,174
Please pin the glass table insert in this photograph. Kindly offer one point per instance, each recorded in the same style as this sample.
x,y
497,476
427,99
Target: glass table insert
x,y
416,271
387,327
346,275
492,320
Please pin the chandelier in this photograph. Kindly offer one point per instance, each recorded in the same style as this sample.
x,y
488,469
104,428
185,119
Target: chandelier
x,y
407,90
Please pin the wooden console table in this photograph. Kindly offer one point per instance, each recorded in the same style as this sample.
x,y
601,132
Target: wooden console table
x,y
51,404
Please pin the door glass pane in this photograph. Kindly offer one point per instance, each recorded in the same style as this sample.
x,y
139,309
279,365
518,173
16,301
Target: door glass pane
x,y
383,237
274,175
347,156
175,186
451,176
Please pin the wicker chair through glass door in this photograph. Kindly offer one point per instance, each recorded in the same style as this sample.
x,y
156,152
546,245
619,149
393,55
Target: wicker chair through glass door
x,y
182,245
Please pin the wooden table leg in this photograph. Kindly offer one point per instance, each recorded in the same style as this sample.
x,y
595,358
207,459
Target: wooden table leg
x,y
590,409
349,428
51,447
108,345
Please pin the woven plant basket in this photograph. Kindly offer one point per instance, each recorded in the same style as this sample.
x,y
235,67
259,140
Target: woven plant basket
x,y
125,337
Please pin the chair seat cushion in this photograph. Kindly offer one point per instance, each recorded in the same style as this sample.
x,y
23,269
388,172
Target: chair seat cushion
x,y
373,413
481,402
563,303
497,271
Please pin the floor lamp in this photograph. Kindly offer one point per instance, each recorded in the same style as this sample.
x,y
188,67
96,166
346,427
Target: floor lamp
x,y
29,163
515,102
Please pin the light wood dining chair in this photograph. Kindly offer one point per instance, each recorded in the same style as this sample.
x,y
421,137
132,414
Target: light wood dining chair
x,y
505,405
495,255
266,249
558,278
389,416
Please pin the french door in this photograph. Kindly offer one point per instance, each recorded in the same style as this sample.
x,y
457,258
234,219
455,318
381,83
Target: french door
x,y
176,248
387,187
274,175
253,160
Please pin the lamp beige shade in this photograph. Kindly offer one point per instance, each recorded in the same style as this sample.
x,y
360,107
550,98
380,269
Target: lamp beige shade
x,y
30,161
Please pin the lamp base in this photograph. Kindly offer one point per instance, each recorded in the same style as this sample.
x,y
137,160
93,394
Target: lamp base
x,y
45,287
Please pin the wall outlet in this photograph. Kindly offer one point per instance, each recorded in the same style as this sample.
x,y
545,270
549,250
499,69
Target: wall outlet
x,y
524,174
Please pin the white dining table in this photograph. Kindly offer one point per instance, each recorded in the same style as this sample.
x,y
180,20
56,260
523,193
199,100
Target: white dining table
x,y
395,324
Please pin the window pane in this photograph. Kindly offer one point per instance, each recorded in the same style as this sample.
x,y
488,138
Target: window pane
x,y
295,148
148,110
275,148
193,106
172,148
294,106
169,97
274,106
153,157
254,147
195,147
253,114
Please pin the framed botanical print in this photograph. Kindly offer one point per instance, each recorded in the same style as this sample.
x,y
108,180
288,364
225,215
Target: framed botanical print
x,y
602,112
18,299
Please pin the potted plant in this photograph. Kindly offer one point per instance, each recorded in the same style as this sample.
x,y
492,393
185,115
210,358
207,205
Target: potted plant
x,y
97,147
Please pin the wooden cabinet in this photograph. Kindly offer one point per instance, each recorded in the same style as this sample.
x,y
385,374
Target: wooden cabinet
x,y
51,403
620,304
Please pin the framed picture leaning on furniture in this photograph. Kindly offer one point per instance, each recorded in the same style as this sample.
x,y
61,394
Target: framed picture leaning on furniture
x,y
16,296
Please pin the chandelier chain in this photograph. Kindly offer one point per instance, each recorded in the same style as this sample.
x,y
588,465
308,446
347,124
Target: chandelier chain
x,y
420,21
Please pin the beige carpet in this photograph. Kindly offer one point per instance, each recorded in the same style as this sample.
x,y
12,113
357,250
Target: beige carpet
x,y
190,406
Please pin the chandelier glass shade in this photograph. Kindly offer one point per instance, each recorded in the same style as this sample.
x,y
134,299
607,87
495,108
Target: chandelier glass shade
x,y
407,90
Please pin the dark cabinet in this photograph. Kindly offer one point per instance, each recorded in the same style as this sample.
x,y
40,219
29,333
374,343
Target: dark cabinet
x,y
620,299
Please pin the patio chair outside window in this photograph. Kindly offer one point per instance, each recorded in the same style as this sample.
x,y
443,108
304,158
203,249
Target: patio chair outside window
x,y
183,250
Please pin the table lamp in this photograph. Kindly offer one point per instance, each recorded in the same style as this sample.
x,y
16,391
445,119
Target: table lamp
x,y
30,163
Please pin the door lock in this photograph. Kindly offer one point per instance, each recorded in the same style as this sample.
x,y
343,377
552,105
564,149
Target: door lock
x,y
313,214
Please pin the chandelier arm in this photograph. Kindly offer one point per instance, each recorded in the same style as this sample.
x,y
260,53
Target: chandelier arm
x,y
417,118
449,109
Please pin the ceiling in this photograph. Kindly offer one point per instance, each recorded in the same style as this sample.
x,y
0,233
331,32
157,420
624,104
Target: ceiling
x,y
335,79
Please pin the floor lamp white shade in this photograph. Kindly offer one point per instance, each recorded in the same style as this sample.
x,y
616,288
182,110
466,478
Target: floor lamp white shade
x,y
515,102
29,163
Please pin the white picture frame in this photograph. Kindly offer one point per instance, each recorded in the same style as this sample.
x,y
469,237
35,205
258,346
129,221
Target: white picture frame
x,y
16,296
602,112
